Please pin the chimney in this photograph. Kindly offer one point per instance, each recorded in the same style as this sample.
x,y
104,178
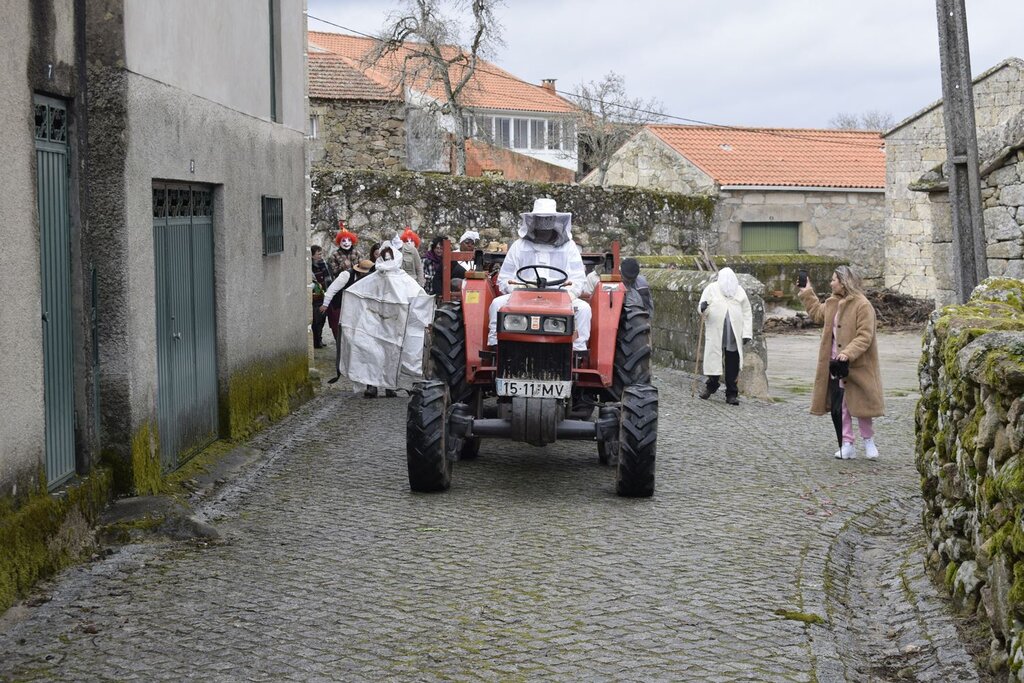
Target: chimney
x,y
548,84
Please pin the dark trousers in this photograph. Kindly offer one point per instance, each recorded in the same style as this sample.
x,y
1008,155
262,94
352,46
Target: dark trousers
x,y
731,361
318,324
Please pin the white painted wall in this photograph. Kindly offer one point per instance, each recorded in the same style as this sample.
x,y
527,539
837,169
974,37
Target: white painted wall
x,y
21,346
220,51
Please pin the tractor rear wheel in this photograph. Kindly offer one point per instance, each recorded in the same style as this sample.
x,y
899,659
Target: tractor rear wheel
x,y
638,441
426,438
632,349
448,351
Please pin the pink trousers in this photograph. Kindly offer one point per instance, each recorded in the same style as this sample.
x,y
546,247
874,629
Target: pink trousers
x,y
865,424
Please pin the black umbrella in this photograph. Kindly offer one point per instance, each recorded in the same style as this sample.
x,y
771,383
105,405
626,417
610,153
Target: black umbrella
x,y
837,370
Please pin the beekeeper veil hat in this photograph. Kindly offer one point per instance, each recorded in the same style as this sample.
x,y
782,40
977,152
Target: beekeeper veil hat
x,y
545,225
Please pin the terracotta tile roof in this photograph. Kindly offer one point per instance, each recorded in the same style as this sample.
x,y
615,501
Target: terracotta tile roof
x,y
490,87
797,157
339,78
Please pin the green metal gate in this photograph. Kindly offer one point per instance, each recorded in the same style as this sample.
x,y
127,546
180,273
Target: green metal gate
x,y
185,320
769,238
52,179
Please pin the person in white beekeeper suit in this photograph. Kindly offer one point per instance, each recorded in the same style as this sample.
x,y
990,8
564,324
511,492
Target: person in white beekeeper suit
x,y
383,319
545,239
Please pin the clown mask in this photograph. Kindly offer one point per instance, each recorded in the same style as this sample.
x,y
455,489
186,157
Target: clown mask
x,y
345,243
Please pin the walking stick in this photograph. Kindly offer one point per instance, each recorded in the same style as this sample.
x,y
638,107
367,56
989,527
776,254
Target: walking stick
x,y
699,360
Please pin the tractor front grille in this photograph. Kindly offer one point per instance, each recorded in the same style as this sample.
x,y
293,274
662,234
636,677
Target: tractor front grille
x,y
526,360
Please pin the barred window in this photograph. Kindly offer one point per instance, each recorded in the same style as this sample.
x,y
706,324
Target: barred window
x,y
273,225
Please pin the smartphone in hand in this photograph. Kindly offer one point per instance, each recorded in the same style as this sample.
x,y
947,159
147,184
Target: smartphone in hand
x,y
801,279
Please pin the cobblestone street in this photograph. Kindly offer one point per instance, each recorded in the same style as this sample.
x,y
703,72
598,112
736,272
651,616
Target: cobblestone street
x,y
760,557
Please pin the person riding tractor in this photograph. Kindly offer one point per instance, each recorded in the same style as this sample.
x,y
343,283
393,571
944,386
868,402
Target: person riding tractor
x,y
545,240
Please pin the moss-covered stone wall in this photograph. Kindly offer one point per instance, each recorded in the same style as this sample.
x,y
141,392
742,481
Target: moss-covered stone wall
x,y
46,532
376,205
970,453
777,272
677,324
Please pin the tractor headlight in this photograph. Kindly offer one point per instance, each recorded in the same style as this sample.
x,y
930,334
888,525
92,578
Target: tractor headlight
x,y
513,322
556,325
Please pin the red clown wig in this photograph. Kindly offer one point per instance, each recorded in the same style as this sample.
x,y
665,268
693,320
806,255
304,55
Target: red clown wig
x,y
342,234
410,235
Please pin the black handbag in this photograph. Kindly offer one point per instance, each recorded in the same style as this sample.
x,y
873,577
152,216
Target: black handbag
x,y
838,368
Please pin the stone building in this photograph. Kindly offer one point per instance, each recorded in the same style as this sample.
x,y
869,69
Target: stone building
x,y
1002,194
163,248
777,190
361,119
918,233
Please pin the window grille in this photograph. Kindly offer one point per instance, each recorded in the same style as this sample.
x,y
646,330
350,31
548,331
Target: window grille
x,y
273,225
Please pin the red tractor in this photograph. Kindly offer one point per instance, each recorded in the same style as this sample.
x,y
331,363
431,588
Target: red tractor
x,y
532,387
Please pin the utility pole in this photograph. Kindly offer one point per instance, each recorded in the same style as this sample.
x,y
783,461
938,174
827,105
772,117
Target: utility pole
x,y
969,254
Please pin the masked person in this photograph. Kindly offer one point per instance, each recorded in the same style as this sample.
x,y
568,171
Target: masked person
x,y
382,325
545,239
727,319
468,243
345,256
411,261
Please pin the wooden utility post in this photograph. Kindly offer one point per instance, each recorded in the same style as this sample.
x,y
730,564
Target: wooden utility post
x,y
969,256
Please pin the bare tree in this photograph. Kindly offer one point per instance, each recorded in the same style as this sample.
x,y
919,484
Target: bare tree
x,y
424,46
607,118
872,119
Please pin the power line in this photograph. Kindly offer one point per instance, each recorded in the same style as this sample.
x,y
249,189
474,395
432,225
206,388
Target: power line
x,y
577,96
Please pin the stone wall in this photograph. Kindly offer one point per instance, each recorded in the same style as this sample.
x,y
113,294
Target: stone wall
x,y
1003,195
840,224
848,225
913,149
677,325
356,134
970,453
646,161
377,205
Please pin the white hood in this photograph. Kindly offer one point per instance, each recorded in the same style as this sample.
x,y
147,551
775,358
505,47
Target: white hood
x,y
383,318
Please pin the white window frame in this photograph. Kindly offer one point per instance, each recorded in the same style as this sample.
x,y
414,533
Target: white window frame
x,y
314,127
503,138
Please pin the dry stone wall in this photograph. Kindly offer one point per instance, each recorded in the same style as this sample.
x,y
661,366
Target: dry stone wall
x,y
376,205
677,325
970,453
354,134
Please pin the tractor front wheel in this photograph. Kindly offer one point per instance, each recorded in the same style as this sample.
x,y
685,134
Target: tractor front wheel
x,y
638,440
426,438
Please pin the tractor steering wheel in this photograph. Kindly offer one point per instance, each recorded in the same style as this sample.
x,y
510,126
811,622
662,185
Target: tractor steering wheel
x,y
540,282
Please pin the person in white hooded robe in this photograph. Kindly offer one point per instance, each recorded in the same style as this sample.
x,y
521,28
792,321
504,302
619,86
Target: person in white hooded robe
x,y
545,239
383,321
727,320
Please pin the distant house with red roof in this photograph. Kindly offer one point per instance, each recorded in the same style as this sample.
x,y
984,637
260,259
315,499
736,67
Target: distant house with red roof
x,y
778,189
360,117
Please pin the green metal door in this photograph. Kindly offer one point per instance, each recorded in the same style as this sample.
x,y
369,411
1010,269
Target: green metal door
x,y
185,320
55,271
769,238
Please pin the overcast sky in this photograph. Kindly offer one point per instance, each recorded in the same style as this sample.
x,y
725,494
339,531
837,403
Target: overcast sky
x,y
787,63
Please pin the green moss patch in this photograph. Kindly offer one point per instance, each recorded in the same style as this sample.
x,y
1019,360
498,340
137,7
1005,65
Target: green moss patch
x,y
48,532
264,391
806,617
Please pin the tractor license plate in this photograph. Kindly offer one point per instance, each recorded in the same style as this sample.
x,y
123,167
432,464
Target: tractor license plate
x,y
533,389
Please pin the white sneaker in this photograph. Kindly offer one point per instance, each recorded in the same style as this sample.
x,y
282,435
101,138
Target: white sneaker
x,y
870,449
846,452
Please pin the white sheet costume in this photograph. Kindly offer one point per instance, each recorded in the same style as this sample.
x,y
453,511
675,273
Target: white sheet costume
x,y
538,246
729,320
382,324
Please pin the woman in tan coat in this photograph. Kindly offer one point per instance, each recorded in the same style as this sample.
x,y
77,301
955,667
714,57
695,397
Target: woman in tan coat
x,y
848,335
